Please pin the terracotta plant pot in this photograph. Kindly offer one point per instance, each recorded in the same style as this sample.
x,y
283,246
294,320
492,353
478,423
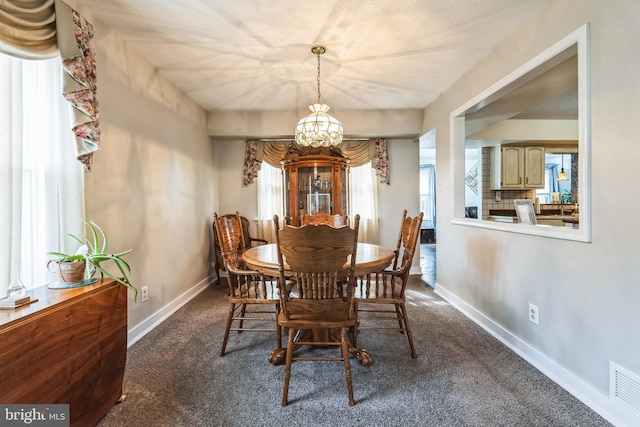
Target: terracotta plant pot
x,y
68,272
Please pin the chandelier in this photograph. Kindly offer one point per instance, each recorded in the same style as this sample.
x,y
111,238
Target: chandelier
x,y
562,176
318,129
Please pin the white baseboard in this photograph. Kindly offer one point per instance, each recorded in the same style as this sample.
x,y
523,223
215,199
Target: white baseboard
x,y
147,325
591,397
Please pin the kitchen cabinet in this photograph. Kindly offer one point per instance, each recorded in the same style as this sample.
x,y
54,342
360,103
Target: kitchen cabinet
x,y
315,183
516,167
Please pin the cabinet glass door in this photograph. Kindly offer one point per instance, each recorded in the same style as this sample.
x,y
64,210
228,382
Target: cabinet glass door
x,y
314,190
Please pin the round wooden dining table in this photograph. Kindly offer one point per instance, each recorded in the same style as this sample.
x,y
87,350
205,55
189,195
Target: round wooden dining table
x,y
369,259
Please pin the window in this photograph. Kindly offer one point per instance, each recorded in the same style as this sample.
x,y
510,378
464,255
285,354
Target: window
x,y
491,118
270,200
544,194
554,163
41,182
362,190
364,201
269,191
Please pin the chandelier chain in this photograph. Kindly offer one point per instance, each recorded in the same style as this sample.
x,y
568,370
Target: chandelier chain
x,y
318,55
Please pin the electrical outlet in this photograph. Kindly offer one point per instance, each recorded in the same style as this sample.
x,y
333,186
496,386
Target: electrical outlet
x,y
498,196
144,293
533,313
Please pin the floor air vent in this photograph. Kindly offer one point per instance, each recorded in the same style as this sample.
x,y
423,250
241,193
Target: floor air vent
x,y
625,387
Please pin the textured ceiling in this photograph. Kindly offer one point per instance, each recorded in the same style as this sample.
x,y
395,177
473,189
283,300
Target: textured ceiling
x,y
255,54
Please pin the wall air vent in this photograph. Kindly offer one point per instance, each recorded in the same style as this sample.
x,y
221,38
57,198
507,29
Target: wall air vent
x,y
624,388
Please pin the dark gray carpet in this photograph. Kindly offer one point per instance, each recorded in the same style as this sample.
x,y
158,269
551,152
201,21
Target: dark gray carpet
x,y
462,377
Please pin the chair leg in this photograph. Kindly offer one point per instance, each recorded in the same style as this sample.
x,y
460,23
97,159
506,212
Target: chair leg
x,y
218,269
400,317
354,334
354,330
243,312
347,365
407,328
278,328
287,369
226,330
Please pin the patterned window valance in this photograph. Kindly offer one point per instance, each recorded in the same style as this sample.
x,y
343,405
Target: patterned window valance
x,y
359,152
42,29
380,161
251,162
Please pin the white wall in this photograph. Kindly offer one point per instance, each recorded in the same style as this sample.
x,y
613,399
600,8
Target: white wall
x,y
233,195
281,124
153,186
587,293
403,192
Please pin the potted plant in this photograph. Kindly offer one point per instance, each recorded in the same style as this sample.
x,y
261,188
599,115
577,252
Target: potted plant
x,y
91,253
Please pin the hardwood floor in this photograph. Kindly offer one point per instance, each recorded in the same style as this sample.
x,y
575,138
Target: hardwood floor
x,y
428,263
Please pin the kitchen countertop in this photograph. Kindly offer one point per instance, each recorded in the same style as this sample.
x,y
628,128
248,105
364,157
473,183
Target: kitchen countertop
x,y
570,218
512,218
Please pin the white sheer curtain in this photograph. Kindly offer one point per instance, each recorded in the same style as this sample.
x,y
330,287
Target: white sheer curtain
x,y
270,200
364,202
41,183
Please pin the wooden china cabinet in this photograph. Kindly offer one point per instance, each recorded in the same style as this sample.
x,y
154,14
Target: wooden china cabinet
x,y
315,181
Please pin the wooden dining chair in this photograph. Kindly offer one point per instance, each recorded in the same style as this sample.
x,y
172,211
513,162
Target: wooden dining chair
x,y
324,218
248,240
322,296
246,287
380,297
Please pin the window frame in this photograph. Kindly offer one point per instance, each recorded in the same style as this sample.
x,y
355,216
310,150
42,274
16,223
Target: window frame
x,y
579,38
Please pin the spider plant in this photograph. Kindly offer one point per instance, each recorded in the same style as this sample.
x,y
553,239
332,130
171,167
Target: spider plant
x,y
93,248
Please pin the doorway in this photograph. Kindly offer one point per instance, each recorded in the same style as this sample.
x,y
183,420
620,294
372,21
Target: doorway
x,y
428,207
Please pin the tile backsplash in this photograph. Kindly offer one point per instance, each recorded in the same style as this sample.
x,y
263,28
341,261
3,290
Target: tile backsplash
x,y
506,202
506,196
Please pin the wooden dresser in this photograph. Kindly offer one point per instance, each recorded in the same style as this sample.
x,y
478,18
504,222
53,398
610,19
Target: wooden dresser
x,y
68,347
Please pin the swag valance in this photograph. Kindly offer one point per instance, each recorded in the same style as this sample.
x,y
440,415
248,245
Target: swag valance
x,y
43,29
359,152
